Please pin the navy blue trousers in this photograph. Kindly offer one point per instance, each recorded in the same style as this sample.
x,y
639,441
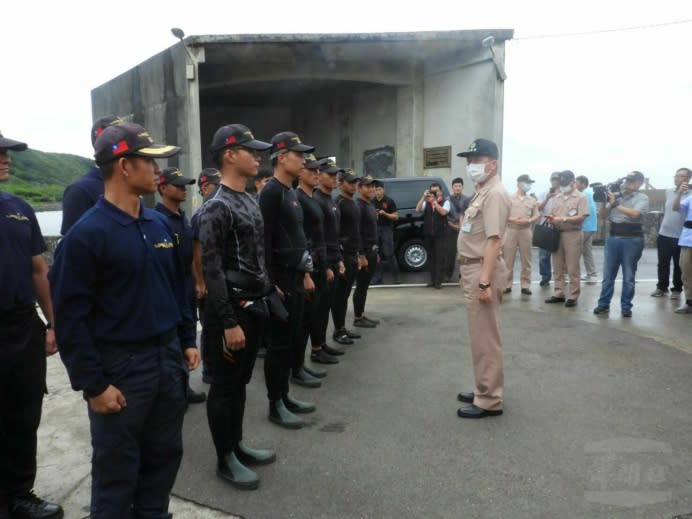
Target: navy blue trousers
x,y
137,452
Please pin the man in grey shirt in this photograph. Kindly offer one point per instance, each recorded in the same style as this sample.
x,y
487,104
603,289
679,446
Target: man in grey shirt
x,y
625,211
667,241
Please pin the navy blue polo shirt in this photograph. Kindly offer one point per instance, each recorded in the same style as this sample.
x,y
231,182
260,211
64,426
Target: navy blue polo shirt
x,y
20,241
80,196
118,279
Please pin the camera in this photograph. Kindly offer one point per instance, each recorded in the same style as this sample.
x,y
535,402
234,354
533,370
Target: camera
x,y
600,191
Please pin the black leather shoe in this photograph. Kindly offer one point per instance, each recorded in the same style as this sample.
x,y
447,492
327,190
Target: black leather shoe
x,y
298,406
526,291
234,472
302,378
279,415
571,303
335,352
315,372
465,397
370,320
30,506
473,411
351,335
553,299
322,357
601,310
363,323
195,397
626,313
507,291
544,282
249,456
438,286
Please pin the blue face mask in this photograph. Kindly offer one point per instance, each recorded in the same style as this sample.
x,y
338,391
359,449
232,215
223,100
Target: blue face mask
x,y
526,187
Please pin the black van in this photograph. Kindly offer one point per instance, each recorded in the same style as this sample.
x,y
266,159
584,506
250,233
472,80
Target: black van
x,y
408,229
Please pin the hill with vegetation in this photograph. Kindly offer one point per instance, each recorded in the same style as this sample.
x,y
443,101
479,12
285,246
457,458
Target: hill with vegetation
x,y
41,177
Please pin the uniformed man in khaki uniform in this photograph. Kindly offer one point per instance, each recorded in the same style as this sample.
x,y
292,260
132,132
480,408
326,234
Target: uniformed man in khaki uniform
x,y
523,213
483,277
569,211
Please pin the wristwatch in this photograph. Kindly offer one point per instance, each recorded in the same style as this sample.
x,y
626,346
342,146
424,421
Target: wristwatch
x,y
49,325
484,286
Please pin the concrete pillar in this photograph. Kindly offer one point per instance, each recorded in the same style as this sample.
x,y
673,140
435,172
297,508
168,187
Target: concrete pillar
x,y
409,130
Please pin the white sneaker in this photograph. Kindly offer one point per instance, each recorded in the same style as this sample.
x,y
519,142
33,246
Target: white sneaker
x,y
658,293
675,296
592,278
684,309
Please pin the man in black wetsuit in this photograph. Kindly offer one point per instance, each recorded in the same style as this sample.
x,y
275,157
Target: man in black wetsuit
x,y
289,264
231,234
326,183
370,251
349,239
313,225
387,214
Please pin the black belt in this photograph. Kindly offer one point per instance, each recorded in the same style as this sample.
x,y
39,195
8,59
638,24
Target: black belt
x,y
688,224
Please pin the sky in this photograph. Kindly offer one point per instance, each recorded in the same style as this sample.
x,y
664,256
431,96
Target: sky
x,y
600,104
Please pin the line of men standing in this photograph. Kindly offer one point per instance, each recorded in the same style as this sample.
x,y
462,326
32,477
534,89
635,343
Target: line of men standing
x,y
123,284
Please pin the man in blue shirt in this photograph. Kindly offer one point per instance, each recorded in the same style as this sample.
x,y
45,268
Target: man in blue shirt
x,y
589,228
84,192
171,188
24,343
682,203
125,328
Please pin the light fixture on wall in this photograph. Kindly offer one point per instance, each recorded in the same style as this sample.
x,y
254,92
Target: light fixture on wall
x,y
190,67
488,43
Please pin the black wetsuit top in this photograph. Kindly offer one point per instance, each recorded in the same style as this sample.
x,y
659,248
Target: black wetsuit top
x,y
331,227
313,225
284,237
349,230
368,224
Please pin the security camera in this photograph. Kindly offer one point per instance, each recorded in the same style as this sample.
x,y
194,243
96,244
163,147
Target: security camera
x,y
488,41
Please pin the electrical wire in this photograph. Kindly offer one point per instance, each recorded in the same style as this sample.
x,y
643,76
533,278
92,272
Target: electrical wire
x,y
604,31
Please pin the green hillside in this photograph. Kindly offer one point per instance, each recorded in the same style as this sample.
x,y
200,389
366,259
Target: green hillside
x,y
40,177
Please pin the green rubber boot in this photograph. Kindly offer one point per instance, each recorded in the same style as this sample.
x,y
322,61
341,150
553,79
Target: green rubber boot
x,y
237,474
250,456
279,415
296,406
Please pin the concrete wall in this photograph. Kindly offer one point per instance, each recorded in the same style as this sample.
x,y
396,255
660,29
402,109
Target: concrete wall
x,y
459,106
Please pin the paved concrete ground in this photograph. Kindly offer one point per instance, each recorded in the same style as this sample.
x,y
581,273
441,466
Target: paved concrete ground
x,y
597,422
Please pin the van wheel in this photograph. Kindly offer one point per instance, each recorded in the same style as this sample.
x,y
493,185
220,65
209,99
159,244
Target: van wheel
x,y
413,256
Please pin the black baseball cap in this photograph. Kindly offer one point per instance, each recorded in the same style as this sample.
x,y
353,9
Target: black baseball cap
x,y
174,177
566,177
101,124
525,178
10,144
129,139
327,165
631,176
311,162
348,175
555,175
367,180
289,141
209,176
236,135
481,147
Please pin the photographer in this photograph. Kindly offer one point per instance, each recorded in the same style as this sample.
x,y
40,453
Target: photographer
x,y
625,212
435,209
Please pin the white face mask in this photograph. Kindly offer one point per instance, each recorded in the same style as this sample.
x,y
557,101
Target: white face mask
x,y
565,190
476,172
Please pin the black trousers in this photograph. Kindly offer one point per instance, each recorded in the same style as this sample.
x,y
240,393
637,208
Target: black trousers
x,y
318,331
436,246
311,327
22,385
231,374
668,249
344,284
284,337
451,252
363,277
203,338
137,451
385,237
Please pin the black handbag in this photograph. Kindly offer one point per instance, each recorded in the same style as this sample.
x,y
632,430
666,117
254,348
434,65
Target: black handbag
x,y
546,236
